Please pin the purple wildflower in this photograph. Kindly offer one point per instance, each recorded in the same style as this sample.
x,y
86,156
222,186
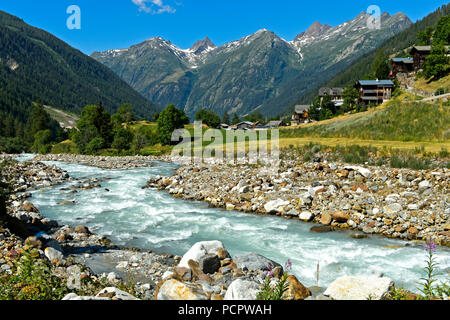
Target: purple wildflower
x,y
269,271
430,246
288,265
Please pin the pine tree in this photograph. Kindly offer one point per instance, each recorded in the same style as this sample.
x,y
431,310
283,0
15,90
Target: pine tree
x,y
380,67
226,118
235,119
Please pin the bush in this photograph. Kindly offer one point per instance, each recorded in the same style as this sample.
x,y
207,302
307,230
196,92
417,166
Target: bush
x,y
94,146
410,162
31,279
65,148
42,142
12,145
122,139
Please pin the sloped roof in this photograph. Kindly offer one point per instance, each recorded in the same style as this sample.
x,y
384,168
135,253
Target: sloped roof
x,y
301,108
404,60
376,82
331,91
274,123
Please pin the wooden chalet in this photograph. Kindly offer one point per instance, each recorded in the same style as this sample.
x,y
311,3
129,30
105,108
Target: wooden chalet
x,y
335,93
401,65
300,114
420,54
374,91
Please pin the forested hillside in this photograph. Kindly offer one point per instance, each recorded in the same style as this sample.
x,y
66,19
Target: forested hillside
x,y
35,65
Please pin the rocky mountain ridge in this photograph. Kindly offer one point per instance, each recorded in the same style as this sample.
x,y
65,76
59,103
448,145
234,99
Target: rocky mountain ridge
x,y
248,74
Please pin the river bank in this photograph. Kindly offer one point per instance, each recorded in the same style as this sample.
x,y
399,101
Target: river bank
x,y
72,249
152,270
397,203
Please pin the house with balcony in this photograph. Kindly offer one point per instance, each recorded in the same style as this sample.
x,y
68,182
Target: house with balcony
x,y
374,91
334,93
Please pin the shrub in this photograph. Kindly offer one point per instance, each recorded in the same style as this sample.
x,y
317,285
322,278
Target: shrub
x,y
31,279
95,145
278,291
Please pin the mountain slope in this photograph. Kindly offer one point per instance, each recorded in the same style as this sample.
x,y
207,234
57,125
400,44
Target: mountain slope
x,y
258,72
36,65
393,46
328,53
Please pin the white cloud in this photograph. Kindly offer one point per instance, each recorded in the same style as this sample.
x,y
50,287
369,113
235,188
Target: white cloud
x,y
153,6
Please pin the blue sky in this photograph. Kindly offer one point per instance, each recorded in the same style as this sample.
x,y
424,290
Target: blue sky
x,y
113,24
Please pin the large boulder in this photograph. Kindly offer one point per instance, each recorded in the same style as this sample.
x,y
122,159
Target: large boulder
x,y
242,290
296,290
201,249
176,290
209,263
255,262
359,288
29,207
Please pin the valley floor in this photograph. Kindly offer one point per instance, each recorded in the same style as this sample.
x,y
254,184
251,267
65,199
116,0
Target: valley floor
x,y
404,203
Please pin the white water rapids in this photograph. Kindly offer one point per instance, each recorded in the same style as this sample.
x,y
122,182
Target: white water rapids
x,y
153,220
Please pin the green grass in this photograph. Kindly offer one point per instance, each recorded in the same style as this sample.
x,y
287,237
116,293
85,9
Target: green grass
x,y
417,159
399,121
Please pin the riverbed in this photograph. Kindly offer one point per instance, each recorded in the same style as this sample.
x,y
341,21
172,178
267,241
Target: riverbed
x,y
152,220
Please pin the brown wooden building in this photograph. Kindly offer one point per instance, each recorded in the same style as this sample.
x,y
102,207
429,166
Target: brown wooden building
x,y
420,53
374,91
335,93
300,114
401,65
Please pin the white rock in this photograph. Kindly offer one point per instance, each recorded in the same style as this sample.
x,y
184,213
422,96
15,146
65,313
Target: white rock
x,y
112,277
122,265
306,216
359,288
176,290
366,173
292,213
242,290
53,254
275,205
167,275
244,189
424,185
73,296
230,206
392,209
200,249
119,294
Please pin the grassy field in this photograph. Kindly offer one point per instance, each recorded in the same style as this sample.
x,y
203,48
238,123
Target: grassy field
x,y
433,147
432,87
395,121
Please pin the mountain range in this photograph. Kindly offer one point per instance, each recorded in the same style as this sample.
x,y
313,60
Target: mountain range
x,y
260,72
36,65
